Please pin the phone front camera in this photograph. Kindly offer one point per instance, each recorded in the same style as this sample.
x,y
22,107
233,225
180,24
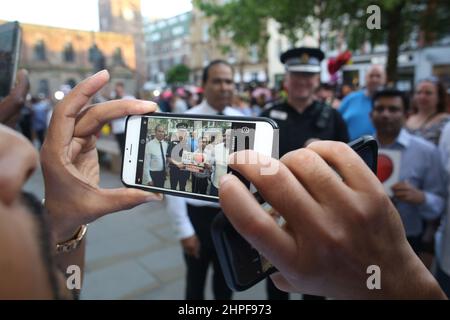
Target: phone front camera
x,y
129,161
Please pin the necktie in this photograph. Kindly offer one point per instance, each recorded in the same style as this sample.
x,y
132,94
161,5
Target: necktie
x,y
220,113
162,155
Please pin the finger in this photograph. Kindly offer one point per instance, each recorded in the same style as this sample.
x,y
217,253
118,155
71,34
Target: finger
x,y
22,82
113,200
254,224
400,188
61,127
93,119
401,194
348,164
315,175
281,189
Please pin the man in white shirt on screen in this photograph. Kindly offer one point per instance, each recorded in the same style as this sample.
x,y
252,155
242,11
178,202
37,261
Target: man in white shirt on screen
x,y
219,162
155,156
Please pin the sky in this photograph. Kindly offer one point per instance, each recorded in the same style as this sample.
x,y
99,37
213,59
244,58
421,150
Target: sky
x,y
79,14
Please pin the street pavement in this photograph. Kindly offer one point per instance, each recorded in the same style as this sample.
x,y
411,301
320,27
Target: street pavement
x,y
133,254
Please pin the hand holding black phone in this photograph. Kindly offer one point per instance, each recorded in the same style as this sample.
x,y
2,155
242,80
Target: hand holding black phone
x,y
241,264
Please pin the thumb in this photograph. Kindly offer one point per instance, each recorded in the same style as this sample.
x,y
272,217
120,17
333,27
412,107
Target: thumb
x,y
125,198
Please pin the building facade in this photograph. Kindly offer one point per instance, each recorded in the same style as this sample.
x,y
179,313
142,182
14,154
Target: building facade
x,y
56,57
167,42
124,16
248,65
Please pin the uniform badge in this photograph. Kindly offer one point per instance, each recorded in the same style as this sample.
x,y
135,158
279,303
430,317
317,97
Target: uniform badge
x,y
304,58
279,115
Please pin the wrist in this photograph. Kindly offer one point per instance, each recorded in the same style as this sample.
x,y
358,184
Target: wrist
x,y
414,281
73,242
61,231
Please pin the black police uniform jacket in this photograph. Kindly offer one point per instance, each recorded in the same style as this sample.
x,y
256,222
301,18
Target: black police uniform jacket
x,y
319,121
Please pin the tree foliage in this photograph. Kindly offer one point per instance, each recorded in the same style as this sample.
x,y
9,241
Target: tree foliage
x,y
178,74
401,21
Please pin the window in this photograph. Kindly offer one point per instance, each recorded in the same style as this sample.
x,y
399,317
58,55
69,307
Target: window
x,y
97,58
71,83
177,30
177,60
205,33
155,37
43,87
231,57
69,53
176,44
254,56
117,57
40,51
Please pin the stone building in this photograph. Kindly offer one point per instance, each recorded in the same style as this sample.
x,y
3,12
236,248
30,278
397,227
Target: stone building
x,y
167,42
248,65
124,16
57,57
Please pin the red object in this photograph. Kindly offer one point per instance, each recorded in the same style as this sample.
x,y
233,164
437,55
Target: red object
x,y
167,94
385,167
334,64
199,90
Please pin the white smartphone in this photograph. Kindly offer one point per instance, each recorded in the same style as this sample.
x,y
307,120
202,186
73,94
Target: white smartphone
x,y
186,155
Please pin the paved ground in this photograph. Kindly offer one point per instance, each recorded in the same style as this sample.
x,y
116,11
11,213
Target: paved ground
x,y
133,254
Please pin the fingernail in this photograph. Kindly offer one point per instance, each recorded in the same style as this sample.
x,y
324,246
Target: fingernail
x,y
149,106
154,197
100,72
224,179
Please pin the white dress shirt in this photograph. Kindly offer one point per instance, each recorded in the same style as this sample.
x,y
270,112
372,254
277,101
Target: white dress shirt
x,y
153,160
153,154
177,206
219,160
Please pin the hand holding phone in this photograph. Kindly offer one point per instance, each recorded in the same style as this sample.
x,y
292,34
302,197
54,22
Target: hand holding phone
x,y
243,266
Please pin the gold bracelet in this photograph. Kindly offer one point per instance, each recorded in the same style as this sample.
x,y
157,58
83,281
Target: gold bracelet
x,y
72,244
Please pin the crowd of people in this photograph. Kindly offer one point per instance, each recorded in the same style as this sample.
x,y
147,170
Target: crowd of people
x,y
320,252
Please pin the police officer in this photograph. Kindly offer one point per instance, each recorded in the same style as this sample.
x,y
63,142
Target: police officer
x,y
302,118
178,176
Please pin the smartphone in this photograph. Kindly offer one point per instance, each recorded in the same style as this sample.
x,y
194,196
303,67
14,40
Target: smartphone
x,y
185,155
242,265
10,37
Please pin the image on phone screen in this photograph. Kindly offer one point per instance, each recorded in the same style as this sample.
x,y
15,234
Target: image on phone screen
x,y
189,156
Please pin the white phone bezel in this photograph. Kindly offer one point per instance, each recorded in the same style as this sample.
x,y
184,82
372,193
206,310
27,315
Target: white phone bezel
x,y
263,133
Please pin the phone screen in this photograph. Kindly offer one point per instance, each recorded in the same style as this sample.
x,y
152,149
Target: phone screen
x,y
8,56
189,155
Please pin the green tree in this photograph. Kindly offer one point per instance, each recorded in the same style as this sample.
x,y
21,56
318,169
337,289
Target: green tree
x,y
178,74
400,20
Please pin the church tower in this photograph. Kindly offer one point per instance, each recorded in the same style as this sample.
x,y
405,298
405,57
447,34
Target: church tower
x,y
124,16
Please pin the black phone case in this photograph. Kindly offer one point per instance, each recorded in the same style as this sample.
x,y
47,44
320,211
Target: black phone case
x,y
16,36
240,262
194,116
